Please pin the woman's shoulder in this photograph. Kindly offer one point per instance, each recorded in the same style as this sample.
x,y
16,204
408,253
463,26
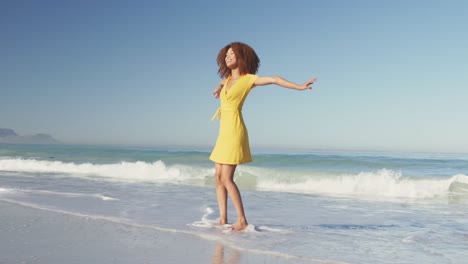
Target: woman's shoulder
x,y
249,79
223,81
250,76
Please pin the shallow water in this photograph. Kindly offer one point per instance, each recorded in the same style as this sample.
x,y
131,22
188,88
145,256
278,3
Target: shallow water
x,y
348,207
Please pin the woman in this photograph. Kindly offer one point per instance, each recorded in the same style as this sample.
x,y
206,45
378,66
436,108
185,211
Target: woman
x,y
238,64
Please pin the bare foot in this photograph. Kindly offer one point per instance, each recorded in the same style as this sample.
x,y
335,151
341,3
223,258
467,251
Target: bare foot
x,y
222,222
239,226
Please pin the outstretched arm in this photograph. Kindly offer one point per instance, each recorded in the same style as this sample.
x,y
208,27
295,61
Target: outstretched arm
x,y
265,80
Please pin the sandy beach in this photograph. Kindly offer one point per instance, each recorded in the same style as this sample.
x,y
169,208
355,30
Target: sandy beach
x,y
31,235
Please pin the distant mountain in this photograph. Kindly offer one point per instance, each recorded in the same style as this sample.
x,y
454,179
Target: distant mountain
x,y
8,135
6,132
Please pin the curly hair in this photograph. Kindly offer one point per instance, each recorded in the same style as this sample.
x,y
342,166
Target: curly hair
x,y
247,59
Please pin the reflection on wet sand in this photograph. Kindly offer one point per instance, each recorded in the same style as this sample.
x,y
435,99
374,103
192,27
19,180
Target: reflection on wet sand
x,y
219,258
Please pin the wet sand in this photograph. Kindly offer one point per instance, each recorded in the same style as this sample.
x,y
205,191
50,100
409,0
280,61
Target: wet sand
x,y
31,235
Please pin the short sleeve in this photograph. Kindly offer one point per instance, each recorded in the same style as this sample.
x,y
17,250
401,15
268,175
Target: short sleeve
x,y
251,80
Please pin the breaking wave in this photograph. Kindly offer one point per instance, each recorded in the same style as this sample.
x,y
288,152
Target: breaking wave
x,y
380,183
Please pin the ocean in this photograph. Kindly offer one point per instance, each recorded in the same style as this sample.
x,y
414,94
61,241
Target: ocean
x,y
302,207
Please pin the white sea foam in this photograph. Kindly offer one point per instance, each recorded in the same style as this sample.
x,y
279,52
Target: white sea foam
x,y
6,190
381,183
133,171
106,198
73,195
460,178
205,222
273,230
62,194
384,183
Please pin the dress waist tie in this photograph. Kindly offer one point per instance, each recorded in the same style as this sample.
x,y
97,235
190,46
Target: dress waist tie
x,y
217,114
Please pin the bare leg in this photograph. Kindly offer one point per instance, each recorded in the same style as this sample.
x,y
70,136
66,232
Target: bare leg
x,y
227,178
221,195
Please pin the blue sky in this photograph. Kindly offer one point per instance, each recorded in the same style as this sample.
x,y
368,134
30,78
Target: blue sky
x,y
392,75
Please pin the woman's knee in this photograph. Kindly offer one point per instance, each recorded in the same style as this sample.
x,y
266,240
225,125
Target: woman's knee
x,y
224,174
219,174
227,175
219,179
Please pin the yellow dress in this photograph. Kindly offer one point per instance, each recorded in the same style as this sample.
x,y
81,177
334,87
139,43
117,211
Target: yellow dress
x,y
232,145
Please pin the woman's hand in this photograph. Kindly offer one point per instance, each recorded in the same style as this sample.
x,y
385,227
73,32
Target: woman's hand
x,y
308,84
216,92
